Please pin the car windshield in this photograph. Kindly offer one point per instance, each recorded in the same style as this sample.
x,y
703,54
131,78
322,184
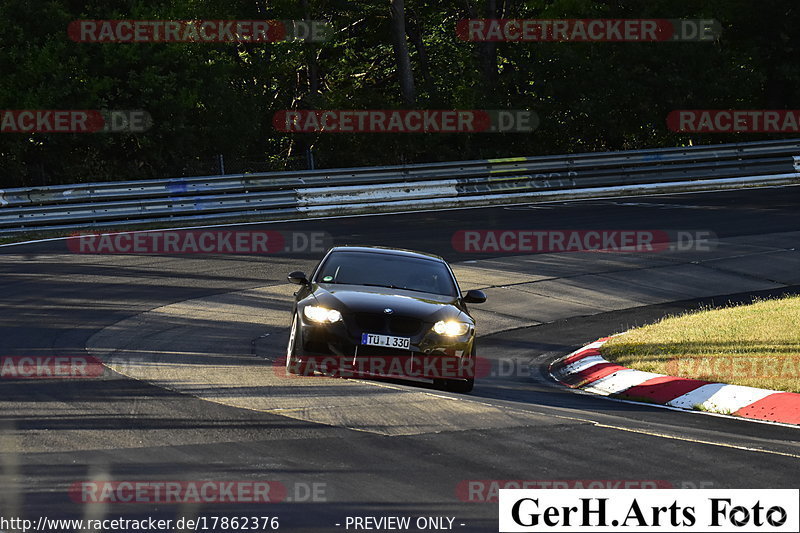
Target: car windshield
x,y
387,270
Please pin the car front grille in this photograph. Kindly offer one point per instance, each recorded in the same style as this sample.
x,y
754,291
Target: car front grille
x,y
401,325
391,325
371,323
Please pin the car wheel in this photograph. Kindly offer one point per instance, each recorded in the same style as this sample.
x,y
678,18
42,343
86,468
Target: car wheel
x,y
460,385
295,364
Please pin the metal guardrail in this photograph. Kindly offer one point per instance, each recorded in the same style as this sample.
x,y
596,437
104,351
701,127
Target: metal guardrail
x,y
302,194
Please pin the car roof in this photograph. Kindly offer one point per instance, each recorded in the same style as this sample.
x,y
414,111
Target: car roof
x,y
387,251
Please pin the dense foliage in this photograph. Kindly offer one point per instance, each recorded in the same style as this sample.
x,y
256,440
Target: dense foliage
x,y
211,99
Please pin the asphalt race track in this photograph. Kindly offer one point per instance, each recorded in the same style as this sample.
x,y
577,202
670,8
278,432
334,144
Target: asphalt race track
x,y
194,393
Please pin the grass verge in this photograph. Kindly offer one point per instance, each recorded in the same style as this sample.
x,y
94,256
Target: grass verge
x,y
757,345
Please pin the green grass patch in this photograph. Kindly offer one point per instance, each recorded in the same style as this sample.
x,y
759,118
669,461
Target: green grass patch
x,y
757,345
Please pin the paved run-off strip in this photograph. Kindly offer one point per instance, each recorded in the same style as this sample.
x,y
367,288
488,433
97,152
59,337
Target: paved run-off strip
x,y
586,369
204,347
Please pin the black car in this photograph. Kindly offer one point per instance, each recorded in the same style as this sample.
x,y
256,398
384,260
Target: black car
x,y
383,311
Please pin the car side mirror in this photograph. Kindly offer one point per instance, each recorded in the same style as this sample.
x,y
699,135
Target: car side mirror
x,y
298,278
474,297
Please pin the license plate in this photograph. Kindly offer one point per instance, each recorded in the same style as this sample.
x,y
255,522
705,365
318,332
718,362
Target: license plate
x,y
387,341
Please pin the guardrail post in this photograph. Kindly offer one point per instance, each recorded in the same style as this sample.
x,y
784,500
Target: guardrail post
x,y
310,158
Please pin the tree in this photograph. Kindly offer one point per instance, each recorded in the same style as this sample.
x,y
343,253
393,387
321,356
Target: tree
x,y
405,75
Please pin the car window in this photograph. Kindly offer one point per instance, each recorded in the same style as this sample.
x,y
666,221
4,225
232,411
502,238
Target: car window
x,y
387,270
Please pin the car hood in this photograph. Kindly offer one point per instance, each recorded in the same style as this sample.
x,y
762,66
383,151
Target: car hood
x,y
361,299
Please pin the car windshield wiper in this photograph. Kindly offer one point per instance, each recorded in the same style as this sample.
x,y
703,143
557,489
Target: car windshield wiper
x,y
396,287
380,285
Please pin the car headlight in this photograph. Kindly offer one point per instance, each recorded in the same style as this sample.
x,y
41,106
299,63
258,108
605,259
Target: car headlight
x,y
451,328
321,314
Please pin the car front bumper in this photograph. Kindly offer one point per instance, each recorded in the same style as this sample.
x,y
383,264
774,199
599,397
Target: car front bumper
x,y
430,355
